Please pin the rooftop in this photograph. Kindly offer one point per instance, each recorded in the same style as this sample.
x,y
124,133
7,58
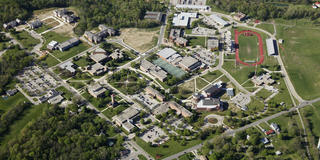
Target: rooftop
x,y
218,20
98,57
166,53
183,19
188,61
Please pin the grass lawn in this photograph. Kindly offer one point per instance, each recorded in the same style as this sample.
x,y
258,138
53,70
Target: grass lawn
x,y
263,93
267,27
173,147
26,39
43,28
201,83
194,41
71,52
311,118
186,89
248,48
299,52
264,126
94,101
28,115
283,95
142,157
10,102
291,124
255,105
187,156
110,112
77,85
50,61
211,76
65,93
82,62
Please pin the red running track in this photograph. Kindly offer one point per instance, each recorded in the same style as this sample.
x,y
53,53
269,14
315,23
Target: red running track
x,y
260,47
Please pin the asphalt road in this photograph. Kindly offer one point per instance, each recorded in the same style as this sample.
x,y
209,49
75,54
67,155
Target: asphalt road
x,y
230,133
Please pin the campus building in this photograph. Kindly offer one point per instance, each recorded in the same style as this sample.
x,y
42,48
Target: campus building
x,y
69,66
96,69
125,118
176,36
189,63
271,47
154,70
68,44
239,16
155,94
218,20
183,19
35,24
96,90
179,109
209,104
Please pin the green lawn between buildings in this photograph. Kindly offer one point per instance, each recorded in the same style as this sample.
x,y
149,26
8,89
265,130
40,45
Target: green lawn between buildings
x,y
301,57
50,61
26,39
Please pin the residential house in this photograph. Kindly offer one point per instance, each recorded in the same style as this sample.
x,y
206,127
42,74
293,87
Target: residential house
x,y
275,127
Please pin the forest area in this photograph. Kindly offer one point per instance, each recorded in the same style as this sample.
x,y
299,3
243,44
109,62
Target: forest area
x,y
116,13
61,134
266,9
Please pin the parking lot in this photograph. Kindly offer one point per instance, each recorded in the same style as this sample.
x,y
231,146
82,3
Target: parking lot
x,y
155,135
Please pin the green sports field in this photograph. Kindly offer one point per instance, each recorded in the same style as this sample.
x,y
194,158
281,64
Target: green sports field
x,y
248,48
300,53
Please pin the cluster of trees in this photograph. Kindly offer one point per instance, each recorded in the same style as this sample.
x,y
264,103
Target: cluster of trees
x,y
8,117
261,10
11,63
117,13
57,134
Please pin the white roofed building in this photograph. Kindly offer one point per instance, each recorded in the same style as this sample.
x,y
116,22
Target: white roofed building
x,y
271,48
183,19
218,20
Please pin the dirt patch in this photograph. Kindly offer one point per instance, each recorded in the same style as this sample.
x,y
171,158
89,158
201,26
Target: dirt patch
x,y
42,14
66,29
140,39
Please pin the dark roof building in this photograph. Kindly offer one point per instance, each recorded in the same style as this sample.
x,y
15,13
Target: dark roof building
x,y
68,44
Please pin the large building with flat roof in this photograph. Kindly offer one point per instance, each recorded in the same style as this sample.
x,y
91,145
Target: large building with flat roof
x,y
183,19
189,63
271,47
166,53
219,20
125,118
